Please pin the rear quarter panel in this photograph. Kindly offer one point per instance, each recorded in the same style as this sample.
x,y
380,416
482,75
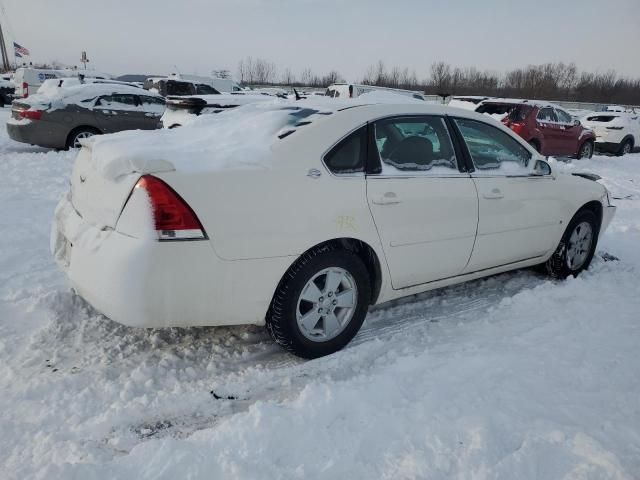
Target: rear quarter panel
x,y
280,210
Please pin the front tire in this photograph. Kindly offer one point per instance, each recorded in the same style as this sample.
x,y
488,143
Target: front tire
x,y
320,302
586,150
576,249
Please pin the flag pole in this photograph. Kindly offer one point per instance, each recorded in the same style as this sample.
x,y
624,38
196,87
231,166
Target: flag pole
x,y
6,65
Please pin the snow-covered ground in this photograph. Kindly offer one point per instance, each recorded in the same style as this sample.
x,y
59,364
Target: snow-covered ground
x,y
511,377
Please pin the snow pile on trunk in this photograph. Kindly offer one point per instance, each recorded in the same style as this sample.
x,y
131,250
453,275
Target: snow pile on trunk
x,y
238,139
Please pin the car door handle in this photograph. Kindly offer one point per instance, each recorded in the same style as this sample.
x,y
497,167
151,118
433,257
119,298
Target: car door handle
x,y
389,198
493,194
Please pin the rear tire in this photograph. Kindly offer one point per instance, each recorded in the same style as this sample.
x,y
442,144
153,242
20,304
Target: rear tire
x,y
320,303
625,147
73,140
586,150
577,246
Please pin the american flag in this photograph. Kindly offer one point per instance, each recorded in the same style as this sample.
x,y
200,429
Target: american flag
x,y
19,50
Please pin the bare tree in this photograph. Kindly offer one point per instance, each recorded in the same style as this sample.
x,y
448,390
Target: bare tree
x,y
440,76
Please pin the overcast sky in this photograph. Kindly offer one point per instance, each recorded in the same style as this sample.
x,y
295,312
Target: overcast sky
x,y
196,36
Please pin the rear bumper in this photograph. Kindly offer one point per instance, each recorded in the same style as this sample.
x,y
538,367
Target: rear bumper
x,y
146,283
36,132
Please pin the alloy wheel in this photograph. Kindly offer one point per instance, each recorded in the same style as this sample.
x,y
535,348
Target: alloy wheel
x,y
80,136
579,245
326,304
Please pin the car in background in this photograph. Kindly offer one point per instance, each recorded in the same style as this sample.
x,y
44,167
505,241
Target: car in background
x,y
27,80
352,90
546,127
184,85
614,108
473,99
616,132
177,88
63,118
303,215
183,110
7,92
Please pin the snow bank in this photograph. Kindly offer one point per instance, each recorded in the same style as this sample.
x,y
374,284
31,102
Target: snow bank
x,y
511,377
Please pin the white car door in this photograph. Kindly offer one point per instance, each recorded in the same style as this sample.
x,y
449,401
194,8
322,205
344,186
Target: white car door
x,y
519,209
424,206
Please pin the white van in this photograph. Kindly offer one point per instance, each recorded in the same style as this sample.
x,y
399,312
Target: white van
x,y
352,90
28,80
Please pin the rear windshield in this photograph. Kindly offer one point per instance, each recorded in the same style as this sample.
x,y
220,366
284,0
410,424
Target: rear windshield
x,y
179,88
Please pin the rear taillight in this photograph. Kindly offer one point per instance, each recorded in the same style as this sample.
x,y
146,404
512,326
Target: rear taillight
x,y
25,89
31,114
517,127
174,219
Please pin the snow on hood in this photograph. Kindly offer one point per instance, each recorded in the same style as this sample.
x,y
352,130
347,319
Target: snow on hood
x,y
237,139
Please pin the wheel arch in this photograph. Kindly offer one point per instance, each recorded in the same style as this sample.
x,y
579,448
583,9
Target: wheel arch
x,y
81,127
629,136
363,250
594,206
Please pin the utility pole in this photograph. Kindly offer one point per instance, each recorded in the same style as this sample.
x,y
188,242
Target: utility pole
x,y
6,65
84,59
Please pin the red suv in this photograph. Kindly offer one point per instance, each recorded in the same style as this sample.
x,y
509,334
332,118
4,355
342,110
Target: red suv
x,y
548,128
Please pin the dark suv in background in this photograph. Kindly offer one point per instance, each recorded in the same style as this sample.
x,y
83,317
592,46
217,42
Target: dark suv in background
x,y
547,127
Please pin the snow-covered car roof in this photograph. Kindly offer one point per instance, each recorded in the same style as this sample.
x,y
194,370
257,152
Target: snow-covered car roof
x,y
83,92
52,85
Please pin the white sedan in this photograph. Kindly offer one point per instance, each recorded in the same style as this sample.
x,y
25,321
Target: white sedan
x,y
299,215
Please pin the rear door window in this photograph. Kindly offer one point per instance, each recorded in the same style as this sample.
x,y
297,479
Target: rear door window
x,y
416,145
152,104
119,101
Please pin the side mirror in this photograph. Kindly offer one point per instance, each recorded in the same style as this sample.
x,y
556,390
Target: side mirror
x,y
541,168
576,122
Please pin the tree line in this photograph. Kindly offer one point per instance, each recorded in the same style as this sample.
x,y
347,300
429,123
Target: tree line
x,y
549,81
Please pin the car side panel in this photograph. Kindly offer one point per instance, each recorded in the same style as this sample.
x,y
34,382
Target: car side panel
x,y
275,213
